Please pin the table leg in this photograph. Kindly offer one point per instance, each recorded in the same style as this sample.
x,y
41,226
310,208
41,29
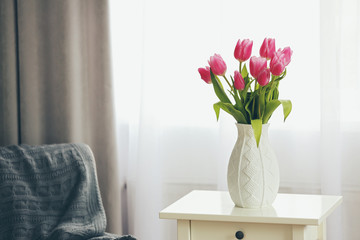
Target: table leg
x,y
183,230
298,232
305,232
322,231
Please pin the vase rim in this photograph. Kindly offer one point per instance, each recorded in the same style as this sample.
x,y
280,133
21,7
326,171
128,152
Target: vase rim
x,y
249,124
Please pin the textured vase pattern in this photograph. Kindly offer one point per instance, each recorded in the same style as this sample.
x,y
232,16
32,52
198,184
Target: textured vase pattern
x,y
253,172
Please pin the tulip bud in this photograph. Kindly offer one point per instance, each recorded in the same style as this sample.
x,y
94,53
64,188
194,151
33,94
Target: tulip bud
x,y
239,82
264,77
276,64
280,60
243,49
267,48
257,64
287,53
205,74
217,65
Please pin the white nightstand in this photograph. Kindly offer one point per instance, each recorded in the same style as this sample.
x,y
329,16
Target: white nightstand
x,y
211,215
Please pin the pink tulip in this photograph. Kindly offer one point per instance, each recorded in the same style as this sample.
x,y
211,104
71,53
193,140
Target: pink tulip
x,y
257,64
277,65
287,53
205,74
267,48
264,77
280,60
243,49
239,82
217,65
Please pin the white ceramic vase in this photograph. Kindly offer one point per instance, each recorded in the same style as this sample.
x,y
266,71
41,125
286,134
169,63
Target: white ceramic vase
x,y
253,172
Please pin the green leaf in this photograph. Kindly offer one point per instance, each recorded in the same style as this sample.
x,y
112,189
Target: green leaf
x,y
244,71
287,106
219,91
238,115
257,128
271,106
238,103
229,108
217,110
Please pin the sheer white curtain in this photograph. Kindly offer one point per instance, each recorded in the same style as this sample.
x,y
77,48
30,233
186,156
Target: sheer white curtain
x,y
170,142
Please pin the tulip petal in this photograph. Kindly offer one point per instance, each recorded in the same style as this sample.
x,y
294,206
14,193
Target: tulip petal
x,y
257,64
267,48
243,50
264,77
205,74
217,64
287,53
239,83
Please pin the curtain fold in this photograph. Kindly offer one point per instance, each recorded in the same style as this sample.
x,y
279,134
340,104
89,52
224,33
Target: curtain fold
x,y
8,71
56,83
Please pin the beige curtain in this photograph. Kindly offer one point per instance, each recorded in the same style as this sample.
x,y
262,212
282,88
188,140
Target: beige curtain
x,y
55,83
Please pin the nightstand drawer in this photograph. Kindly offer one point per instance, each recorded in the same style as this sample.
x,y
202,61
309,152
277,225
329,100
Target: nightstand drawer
x,y
207,230
211,215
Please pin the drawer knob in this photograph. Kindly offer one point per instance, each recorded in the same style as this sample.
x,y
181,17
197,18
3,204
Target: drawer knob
x,y
239,235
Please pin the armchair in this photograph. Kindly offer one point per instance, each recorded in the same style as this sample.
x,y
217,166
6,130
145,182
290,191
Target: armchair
x,y
51,192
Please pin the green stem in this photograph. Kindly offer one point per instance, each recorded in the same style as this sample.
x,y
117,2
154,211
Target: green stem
x,y
269,96
240,67
231,87
270,92
259,115
253,108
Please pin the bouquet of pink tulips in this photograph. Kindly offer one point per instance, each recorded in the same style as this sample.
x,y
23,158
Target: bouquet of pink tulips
x,y
256,96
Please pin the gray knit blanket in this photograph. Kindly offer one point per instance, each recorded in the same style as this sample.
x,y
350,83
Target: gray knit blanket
x,y
51,192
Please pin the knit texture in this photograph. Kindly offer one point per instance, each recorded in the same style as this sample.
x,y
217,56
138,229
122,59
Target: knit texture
x,y
50,192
